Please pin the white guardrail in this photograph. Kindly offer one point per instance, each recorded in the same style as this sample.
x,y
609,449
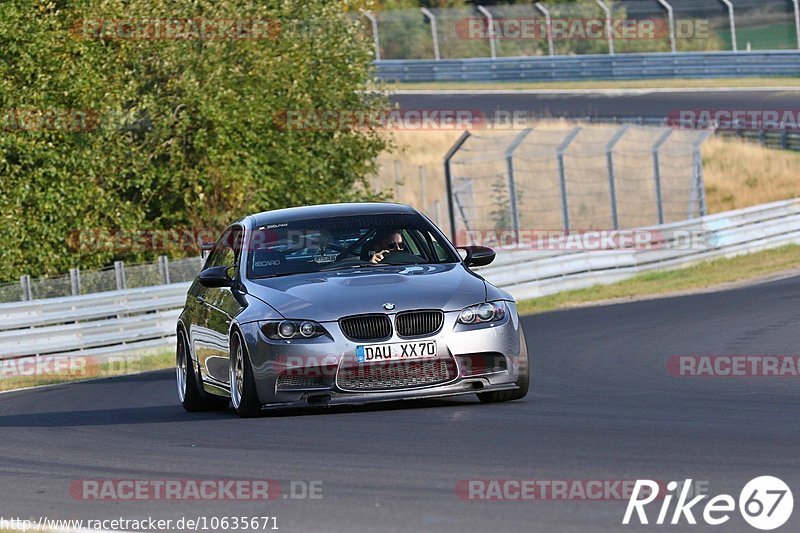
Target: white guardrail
x,y
126,321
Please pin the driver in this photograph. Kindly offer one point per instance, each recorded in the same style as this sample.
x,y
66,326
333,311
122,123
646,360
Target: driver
x,y
386,242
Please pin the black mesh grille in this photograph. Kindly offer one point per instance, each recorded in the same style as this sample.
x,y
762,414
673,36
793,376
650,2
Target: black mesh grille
x,y
366,327
418,323
396,375
290,381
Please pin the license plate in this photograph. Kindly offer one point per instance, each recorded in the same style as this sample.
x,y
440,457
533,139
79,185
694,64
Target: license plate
x,y
398,351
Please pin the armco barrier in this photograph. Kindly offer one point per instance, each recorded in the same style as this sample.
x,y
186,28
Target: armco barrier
x,y
594,67
106,323
100,323
530,274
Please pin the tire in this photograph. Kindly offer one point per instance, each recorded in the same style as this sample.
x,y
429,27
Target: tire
x,y
244,397
190,393
523,381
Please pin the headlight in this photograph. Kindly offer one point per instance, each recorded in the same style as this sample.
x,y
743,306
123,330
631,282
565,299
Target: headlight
x,y
292,329
480,313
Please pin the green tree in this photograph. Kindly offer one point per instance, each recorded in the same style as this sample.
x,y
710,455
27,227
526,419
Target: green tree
x,y
203,142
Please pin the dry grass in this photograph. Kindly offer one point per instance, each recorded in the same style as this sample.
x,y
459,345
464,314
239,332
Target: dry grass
x,y
737,173
740,174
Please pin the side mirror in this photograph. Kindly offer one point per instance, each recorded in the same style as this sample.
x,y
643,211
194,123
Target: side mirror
x,y
478,256
216,277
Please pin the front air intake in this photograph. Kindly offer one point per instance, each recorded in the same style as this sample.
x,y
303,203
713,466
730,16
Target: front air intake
x,y
366,327
419,323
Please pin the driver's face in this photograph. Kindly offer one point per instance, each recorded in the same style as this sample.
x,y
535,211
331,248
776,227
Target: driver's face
x,y
393,242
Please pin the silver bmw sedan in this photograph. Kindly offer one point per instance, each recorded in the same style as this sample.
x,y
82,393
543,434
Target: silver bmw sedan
x,y
344,304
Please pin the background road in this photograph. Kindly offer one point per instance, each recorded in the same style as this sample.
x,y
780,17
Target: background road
x,y
602,407
603,103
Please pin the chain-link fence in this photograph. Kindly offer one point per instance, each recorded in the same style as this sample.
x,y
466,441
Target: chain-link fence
x,y
418,185
117,277
585,27
575,179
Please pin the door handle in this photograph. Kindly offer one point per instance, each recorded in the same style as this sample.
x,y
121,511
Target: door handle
x,y
201,299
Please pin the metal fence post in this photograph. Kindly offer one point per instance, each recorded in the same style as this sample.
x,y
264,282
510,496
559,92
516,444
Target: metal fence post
x,y
657,174
797,21
563,175
671,17
490,34
700,186
163,268
548,26
75,281
732,18
512,188
119,275
608,26
612,187
25,285
375,37
434,32
448,178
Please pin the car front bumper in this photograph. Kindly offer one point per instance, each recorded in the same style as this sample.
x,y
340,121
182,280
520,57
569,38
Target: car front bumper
x,y
480,358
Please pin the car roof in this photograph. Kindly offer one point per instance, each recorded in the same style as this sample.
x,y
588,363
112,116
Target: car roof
x,y
292,214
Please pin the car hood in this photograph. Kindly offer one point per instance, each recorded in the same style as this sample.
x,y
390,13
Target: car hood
x,y
328,296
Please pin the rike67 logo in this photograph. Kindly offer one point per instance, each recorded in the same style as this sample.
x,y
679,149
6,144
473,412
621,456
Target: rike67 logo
x,y
766,503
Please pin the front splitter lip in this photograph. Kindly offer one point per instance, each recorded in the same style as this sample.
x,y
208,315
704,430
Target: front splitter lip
x,y
336,398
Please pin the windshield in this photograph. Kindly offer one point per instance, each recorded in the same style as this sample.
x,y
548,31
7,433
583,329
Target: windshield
x,y
334,243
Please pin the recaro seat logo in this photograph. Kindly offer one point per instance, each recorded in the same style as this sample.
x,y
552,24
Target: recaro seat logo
x,y
766,503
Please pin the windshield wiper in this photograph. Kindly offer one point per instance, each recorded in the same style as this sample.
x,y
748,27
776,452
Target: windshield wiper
x,y
280,275
342,267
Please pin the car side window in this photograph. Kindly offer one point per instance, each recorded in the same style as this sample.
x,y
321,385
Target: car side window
x,y
411,243
438,250
227,250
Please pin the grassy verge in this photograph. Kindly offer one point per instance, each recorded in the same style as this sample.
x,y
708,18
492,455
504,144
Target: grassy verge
x,y
766,36
20,374
701,276
601,84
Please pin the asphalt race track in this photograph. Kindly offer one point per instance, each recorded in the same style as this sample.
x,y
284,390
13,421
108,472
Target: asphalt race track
x,y
602,104
603,407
